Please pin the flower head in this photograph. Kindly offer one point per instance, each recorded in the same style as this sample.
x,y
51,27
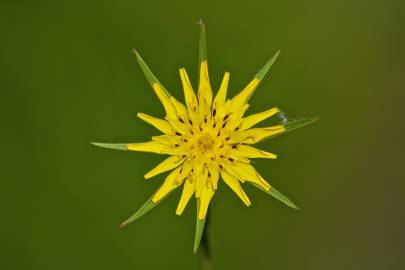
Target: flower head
x,y
207,139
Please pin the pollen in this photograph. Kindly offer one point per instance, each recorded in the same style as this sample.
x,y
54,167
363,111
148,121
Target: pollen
x,y
206,144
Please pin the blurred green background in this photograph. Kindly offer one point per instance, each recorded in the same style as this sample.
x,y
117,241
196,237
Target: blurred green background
x,y
68,78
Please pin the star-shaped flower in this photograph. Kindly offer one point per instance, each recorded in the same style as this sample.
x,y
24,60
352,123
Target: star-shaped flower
x,y
206,139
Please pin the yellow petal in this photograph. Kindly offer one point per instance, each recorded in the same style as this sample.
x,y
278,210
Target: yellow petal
x,y
255,135
167,165
189,95
233,183
253,119
168,185
185,172
205,199
160,124
200,176
188,191
152,146
179,126
220,98
241,99
252,152
235,118
167,104
204,88
234,154
180,108
244,171
213,176
167,139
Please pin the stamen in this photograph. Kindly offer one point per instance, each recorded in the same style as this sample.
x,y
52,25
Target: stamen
x,y
178,133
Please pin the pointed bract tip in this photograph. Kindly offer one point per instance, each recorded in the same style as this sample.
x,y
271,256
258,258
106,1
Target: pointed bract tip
x,y
263,71
122,225
134,51
292,205
281,197
198,232
118,146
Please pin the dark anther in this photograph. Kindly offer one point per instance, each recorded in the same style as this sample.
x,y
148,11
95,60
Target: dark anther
x,y
221,156
185,140
214,112
223,125
181,120
220,166
230,159
222,146
178,134
205,119
237,128
191,122
234,146
227,138
209,174
183,156
226,117
176,145
192,133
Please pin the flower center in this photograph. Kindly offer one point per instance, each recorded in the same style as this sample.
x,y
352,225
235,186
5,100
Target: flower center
x,y
205,143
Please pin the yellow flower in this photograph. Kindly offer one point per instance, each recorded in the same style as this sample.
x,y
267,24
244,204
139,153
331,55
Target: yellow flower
x,y
206,139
